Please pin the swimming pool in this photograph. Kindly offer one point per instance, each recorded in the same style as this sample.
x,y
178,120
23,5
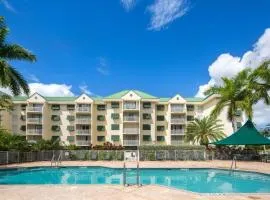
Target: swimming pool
x,y
196,180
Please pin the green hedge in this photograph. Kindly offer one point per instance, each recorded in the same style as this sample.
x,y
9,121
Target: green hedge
x,y
171,147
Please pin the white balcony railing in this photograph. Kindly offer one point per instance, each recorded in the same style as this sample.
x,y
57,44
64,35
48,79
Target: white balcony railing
x,y
83,109
177,109
34,120
177,132
34,108
83,121
83,132
83,142
130,106
131,118
130,142
34,131
178,120
131,131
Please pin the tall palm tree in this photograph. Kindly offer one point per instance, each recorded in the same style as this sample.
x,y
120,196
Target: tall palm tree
x,y
243,91
229,94
257,87
9,76
205,130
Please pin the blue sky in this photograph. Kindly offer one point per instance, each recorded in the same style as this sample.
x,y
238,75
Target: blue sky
x,y
162,47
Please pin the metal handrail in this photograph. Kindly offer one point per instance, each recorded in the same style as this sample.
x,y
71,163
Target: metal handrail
x,y
234,159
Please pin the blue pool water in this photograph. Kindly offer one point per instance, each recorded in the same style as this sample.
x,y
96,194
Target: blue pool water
x,y
196,180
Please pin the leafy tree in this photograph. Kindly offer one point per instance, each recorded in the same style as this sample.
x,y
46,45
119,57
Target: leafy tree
x,y
205,130
9,76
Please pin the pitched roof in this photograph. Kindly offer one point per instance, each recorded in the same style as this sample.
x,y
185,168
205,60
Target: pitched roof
x,y
122,93
194,99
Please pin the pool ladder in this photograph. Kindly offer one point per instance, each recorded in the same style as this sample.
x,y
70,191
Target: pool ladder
x,y
57,161
233,165
137,175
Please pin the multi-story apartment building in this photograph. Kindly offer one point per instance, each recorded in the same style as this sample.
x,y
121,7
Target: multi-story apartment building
x,y
130,118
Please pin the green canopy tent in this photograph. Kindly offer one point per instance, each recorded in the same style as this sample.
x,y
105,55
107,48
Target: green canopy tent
x,y
246,135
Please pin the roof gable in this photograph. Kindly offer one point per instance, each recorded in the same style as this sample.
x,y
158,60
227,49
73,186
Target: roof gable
x,y
131,95
177,99
84,98
36,98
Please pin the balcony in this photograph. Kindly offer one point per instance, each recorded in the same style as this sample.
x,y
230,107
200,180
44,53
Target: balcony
x,y
34,131
177,132
131,131
83,142
130,106
83,121
83,109
178,120
131,118
177,109
130,142
34,120
34,109
83,132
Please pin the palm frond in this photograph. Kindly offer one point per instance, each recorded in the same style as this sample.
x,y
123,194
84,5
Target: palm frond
x,y
16,52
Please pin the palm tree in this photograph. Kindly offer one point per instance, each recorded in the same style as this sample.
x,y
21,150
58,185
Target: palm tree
x,y
9,76
205,130
229,94
243,91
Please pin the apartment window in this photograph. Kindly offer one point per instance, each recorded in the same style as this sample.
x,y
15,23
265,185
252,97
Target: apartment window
x,y
55,107
160,128
70,138
190,118
70,128
100,128
160,107
115,127
146,105
114,104
160,118
55,118
101,107
70,118
55,138
55,128
115,116
70,107
190,108
146,127
238,125
23,128
101,118
146,116
160,138
101,138
177,107
146,137
115,138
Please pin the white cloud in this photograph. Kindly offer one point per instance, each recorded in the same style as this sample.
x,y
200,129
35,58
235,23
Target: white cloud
x,y
128,4
163,12
84,89
6,90
51,89
7,5
103,66
33,78
227,65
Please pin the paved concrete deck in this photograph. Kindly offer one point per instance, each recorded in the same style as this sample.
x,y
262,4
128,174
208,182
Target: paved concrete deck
x,y
104,192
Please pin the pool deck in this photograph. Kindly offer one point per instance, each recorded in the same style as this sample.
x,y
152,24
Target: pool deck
x,y
149,192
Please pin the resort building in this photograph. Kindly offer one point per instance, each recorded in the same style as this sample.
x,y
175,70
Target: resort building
x,y
129,118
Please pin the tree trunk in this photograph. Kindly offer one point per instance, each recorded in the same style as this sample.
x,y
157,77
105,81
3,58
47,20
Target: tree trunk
x,y
233,125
